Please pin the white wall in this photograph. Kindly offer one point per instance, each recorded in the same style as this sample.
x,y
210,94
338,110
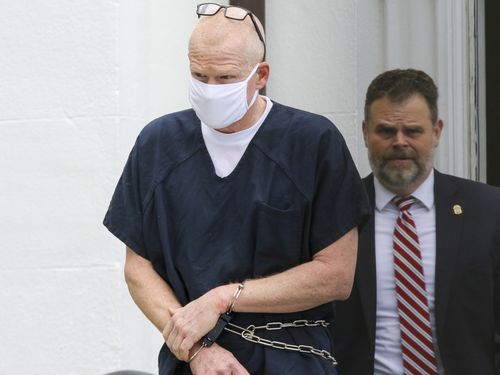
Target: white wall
x,y
59,309
312,52
370,62
78,81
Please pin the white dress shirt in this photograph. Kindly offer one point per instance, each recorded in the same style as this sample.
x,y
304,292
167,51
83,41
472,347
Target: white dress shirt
x,y
388,358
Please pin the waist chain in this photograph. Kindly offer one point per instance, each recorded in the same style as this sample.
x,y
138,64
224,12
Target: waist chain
x,y
248,333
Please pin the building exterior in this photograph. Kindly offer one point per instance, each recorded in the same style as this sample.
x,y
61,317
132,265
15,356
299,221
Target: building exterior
x,y
80,79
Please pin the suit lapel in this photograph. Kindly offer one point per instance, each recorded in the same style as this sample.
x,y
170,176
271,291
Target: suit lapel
x,y
365,272
448,235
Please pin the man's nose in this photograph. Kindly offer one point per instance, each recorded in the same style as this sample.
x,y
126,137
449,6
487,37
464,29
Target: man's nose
x,y
400,139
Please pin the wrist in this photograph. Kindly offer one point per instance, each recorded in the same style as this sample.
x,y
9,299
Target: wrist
x,y
224,294
195,350
227,295
234,298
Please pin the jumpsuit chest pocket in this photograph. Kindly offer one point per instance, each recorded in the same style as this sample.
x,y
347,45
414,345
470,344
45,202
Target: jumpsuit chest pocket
x,y
277,239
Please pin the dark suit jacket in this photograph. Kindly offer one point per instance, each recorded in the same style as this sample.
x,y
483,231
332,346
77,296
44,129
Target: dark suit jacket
x,y
467,285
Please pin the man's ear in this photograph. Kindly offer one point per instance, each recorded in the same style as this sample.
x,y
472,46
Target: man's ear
x,y
263,74
365,132
437,130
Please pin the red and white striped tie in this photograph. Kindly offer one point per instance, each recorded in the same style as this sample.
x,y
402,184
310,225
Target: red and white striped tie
x,y
414,318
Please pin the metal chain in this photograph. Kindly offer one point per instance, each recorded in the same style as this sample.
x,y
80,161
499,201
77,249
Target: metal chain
x,y
249,335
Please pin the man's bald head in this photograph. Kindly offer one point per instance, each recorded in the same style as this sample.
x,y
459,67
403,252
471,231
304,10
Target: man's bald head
x,y
218,33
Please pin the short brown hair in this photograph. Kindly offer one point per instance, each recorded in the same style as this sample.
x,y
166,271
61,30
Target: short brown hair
x,y
399,84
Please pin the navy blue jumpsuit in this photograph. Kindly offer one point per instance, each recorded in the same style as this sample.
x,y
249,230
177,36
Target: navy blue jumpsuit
x,y
295,191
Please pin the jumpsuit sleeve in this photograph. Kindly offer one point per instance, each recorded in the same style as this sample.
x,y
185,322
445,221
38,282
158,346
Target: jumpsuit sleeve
x,y
340,201
124,217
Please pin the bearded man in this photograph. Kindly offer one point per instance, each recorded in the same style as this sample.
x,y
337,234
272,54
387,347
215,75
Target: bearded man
x,y
426,297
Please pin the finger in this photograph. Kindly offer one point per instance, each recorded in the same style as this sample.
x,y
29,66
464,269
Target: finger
x,y
168,327
177,338
240,371
184,348
238,368
182,342
183,355
173,329
167,330
170,340
173,310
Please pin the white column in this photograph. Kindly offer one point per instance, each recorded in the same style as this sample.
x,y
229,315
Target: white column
x,y
437,36
456,80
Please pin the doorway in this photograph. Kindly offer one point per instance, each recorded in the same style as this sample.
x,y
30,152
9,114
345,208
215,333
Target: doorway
x,y
492,86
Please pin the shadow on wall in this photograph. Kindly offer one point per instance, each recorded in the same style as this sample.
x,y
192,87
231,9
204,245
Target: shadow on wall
x,y
128,372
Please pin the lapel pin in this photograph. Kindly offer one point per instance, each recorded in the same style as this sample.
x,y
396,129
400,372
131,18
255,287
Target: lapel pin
x,y
457,209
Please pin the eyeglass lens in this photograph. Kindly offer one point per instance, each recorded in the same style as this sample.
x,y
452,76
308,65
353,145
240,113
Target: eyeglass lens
x,y
209,9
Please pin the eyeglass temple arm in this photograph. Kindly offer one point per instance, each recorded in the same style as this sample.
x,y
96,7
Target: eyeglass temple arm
x,y
259,34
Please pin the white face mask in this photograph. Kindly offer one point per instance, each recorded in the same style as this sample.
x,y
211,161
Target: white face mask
x,y
219,106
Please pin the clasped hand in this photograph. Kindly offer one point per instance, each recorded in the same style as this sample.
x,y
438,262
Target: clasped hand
x,y
188,324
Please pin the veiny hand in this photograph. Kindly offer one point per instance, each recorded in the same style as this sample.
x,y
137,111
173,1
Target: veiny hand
x,y
190,323
216,360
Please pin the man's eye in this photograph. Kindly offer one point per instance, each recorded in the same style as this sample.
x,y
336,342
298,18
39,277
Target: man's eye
x,y
413,131
199,77
385,131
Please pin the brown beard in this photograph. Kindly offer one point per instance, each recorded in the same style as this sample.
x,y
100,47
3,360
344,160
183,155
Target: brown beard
x,y
397,177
